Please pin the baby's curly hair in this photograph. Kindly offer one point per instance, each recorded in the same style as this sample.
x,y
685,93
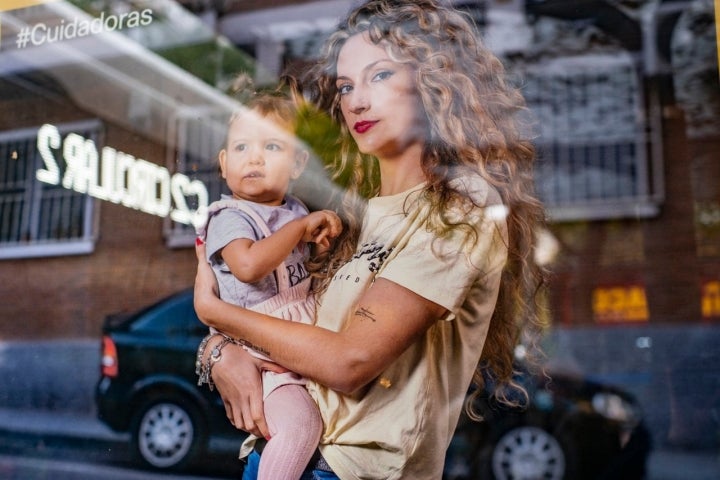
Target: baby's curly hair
x,y
474,119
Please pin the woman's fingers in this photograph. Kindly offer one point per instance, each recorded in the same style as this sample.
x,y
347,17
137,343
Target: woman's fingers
x,y
253,418
229,412
237,377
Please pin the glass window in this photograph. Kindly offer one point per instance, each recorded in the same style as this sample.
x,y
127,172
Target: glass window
x,y
112,116
199,135
593,158
45,209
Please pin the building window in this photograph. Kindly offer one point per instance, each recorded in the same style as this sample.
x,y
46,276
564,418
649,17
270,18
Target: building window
x,y
198,136
38,219
593,159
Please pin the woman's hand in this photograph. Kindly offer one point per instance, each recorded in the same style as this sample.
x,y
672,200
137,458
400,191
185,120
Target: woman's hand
x,y
237,377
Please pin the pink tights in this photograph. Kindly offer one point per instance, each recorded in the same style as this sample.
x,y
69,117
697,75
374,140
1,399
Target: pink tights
x,y
295,428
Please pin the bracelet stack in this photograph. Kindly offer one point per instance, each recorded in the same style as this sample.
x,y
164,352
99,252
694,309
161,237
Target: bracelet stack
x,y
204,369
200,353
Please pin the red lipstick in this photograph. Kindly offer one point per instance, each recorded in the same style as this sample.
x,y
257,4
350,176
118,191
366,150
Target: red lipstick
x,y
364,126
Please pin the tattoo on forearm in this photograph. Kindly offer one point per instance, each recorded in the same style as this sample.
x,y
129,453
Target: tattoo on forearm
x,y
364,313
257,348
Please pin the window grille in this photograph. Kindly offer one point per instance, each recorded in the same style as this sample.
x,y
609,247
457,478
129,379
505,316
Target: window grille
x,y
38,219
593,158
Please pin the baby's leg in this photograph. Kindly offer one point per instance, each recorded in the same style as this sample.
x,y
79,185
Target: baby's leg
x,y
295,428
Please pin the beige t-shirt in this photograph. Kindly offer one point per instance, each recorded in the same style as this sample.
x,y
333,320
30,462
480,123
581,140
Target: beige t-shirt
x,y
402,423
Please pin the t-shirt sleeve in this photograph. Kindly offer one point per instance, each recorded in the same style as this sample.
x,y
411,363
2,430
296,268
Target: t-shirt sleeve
x,y
224,227
443,269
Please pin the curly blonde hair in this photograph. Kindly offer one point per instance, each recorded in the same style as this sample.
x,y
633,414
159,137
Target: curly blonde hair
x,y
474,123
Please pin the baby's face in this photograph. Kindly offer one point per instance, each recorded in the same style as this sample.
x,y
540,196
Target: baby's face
x,y
260,159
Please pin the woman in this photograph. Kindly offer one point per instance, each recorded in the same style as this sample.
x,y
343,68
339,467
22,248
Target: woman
x,y
435,285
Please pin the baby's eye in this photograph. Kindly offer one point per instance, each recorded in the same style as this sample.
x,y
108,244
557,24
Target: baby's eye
x,y
382,75
240,147
273,147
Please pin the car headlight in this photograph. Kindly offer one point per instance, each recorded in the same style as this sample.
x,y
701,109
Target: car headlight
x,y
615,407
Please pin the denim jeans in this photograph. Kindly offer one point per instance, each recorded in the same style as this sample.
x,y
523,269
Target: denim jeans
x,y
250,471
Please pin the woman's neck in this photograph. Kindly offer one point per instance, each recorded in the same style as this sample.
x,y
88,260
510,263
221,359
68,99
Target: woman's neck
x,y
400,174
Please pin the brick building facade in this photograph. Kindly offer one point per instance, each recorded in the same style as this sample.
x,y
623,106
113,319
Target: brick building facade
x,y
658,266
130,264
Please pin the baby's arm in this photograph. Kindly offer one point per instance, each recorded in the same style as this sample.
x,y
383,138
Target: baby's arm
x,y
252,260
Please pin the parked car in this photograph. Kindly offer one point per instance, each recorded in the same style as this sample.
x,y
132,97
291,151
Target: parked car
x,y
148,385
572,428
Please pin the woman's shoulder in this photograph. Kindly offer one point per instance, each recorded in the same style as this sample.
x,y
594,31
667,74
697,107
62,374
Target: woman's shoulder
x,y
476,188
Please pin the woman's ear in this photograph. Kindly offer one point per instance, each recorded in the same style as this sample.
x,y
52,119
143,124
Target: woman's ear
x,y
301,159
222,159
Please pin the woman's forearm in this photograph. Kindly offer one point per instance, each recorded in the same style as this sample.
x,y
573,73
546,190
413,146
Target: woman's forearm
x,y
304,349
388,319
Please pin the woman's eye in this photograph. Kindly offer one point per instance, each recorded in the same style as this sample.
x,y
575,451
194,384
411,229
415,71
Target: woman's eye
x,y
344,89
383,75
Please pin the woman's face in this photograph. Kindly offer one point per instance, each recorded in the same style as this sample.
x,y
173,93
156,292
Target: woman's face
x,y
378,99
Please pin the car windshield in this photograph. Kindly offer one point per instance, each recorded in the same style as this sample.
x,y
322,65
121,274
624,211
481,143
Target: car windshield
x,y
113,116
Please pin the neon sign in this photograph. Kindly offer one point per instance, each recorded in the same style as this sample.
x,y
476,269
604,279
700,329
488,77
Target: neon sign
x,y
710,299
620,304
119,177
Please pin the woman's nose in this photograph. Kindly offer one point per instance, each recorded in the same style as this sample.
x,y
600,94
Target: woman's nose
x,y
359,101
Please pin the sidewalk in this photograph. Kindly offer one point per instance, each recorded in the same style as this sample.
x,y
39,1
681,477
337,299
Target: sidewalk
x,y
60,424
56,376
76,426
663,464
40,397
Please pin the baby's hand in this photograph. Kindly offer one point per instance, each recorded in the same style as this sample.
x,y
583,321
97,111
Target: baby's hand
x,y
321,227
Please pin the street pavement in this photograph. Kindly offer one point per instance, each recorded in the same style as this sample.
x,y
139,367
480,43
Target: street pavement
x,y
48,389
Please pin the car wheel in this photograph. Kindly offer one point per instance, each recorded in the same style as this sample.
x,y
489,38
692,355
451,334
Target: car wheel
x,y
528,453
168,434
